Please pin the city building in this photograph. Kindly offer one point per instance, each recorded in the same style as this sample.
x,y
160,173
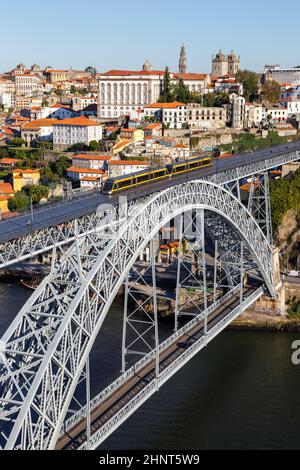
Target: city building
x,y
54,76
224,65
180,152
39,130
93,162
68,132
125,167
199,117
26,84
6,193
8,163
173,115
288,75
135,135
23,178
237,111
122,92
87,177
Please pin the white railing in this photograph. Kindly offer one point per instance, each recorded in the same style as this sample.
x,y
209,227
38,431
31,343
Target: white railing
x,y
102,396
105,430
121,416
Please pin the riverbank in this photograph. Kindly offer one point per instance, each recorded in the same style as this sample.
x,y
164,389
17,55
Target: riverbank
x,y
257,321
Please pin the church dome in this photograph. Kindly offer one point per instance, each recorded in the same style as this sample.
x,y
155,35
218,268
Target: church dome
x,y
147,66
233,57
220,57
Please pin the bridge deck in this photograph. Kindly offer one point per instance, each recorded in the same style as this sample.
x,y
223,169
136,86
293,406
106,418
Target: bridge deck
x,y
62,213
76,436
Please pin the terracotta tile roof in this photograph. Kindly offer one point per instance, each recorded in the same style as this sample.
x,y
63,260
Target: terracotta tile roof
x,y
8,161
40,123
132,72
121,144
130,130
6,189
181,146
152,126
78,121
190,76
173,105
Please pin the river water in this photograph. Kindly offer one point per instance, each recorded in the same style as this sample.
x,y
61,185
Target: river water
x,y
242,392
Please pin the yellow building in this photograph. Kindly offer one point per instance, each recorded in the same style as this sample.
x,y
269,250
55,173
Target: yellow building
x,y
135,135
6,192
23,178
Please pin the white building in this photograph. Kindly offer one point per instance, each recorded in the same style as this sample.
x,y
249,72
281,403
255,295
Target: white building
x,y
7,86
173,115
93,162
237,111
180,152
123,91
275,114
8,100
201,117
75,130
292,105
26,84
88,178
39,130
125,167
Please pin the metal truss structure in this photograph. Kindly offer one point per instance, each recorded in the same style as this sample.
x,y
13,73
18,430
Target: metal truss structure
x,y
46,348
259,204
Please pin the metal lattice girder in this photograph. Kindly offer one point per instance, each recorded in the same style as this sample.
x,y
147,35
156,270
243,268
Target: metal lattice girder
x,y
40,241
44,351
259,203
253,167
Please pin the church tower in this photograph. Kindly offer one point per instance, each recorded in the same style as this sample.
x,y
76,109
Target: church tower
x,y
182,60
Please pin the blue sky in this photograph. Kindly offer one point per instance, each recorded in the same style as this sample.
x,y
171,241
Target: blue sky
x,y
123,33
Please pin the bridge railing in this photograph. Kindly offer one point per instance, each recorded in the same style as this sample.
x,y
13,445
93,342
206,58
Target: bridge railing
x,y
102,396
153,386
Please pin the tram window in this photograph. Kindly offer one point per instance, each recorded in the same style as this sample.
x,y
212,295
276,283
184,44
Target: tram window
x,y
158,174
142,178
124,184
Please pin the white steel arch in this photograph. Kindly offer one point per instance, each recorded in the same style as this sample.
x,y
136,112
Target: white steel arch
x,y
45,349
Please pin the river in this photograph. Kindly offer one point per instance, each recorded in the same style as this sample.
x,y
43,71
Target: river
x,y
241,392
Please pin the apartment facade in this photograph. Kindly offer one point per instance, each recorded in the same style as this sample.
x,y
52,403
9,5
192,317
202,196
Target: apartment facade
x,y
68,132
199,117
121,92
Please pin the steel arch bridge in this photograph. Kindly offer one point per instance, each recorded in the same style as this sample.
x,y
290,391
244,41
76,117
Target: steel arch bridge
x,y
45,350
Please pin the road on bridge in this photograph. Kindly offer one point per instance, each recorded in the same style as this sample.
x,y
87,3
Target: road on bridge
x,y
76,436
61,213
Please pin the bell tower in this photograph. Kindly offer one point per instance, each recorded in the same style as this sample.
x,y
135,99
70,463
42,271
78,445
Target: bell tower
x,y
182,60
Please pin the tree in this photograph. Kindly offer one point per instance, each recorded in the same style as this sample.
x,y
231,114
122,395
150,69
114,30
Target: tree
x,y
36,192
250,82
271,91
16,142
94,145
45,145
73,90
61,165
209,100
20,202
181,92
167,92
79,147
